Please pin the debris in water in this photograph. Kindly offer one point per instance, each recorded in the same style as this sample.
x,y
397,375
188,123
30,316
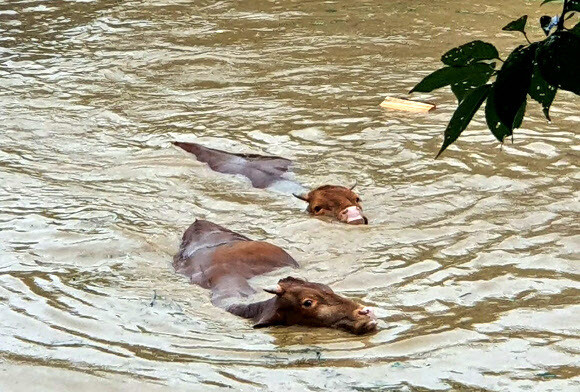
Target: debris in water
x,y
407,105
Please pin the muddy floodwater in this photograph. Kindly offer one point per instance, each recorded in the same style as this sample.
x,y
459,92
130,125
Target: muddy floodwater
x,y
471,260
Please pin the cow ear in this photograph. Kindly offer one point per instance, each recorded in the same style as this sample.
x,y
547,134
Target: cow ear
x,y
301,197
268,318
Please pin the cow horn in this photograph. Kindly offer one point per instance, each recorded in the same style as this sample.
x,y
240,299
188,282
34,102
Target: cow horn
x,y
300,197
355,184
278,290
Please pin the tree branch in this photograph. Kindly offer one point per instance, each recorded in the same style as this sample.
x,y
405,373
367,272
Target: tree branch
x,y
561,21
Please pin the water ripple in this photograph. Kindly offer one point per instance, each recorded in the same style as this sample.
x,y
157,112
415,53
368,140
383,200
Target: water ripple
x,y
469,259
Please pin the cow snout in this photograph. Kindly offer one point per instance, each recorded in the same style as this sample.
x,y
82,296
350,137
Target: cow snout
x,y
353,215
365,319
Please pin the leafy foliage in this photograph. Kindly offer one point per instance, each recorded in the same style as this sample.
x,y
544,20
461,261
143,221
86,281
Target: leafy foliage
x,y
558,59
461,89
541,91
463,115
517,25
570,5
450,75
469,53
512,84
496,127
536,69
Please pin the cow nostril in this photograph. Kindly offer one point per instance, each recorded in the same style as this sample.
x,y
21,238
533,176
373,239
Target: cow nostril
x,y
367,312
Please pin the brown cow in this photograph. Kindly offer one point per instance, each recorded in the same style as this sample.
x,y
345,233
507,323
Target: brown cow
x,y
223,261
264,171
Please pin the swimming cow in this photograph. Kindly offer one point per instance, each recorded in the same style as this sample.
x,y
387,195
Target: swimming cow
x,y
338,202
221,260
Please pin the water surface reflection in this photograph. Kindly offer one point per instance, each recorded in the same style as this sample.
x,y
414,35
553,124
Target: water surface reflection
x,y
472,259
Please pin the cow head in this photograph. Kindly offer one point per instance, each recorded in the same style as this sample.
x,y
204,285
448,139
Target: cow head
x,y
335,201
298,302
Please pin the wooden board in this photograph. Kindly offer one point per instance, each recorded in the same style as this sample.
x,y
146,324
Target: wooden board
x,y
407,105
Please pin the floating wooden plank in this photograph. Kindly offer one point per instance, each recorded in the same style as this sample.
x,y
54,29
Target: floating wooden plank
x,y
407,105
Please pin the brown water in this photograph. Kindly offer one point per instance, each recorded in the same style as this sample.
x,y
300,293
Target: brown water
x,y
471,260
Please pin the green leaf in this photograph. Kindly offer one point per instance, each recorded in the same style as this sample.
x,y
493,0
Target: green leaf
x,y
517,25
544,23
576,29
520,115
499,130
572,5
512,83
461,89
542,91
463,115
470,53
558,60
449,75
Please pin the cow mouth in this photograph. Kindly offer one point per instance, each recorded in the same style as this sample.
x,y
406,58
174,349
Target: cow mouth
x,y
359,221
357,328
369,326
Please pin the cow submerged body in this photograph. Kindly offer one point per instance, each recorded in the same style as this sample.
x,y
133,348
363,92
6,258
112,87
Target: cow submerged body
x,y
223,261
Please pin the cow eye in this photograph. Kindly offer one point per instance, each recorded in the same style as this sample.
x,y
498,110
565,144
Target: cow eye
x,y
307,303
317,208
358,200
